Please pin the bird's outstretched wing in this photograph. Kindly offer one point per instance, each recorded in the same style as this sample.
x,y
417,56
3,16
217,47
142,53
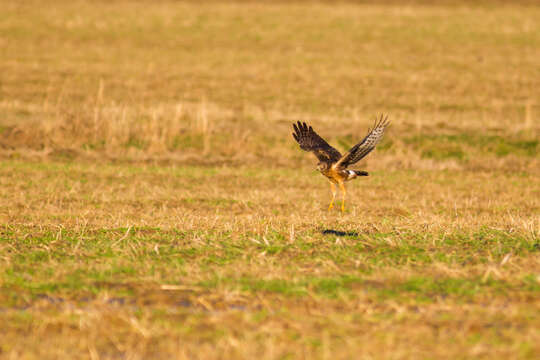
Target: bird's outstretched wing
x,y
364,147
309,140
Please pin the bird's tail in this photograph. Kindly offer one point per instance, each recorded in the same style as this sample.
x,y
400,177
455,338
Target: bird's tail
x,y
361,173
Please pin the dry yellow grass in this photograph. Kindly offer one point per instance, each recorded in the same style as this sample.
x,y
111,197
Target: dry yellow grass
x,y
146,261
224,78
153,203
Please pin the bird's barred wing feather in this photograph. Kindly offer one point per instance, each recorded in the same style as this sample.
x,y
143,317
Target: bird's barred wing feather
x,y
309,140
364,147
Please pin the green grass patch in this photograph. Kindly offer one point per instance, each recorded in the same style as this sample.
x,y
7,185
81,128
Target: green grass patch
x,y
457,146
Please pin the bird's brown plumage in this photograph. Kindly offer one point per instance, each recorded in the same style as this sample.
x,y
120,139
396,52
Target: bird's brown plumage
x,y
332,164
364,147
309,140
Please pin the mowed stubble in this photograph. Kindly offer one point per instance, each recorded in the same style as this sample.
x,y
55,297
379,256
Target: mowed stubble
x,y
154,203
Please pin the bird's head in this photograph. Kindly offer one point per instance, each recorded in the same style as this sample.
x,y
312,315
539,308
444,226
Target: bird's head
x,y
322,166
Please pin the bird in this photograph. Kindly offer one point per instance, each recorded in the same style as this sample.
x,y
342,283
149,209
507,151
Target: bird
x,y
332,164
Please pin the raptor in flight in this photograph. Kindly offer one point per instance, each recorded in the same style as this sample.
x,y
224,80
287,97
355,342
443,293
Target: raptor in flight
x,y
332,164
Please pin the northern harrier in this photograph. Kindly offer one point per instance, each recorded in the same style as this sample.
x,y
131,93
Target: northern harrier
x,y
332,164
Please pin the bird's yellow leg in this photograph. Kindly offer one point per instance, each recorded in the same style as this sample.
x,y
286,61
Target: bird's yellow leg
x,y
333,188
343,192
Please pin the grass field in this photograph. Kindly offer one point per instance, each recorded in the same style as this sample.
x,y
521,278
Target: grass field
x,y
154,205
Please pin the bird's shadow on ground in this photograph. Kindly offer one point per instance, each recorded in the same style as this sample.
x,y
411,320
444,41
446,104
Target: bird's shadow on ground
x,y
339,232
